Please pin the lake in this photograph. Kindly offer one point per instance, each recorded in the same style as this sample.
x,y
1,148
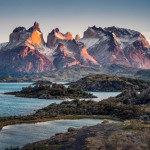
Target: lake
x,y
11,105
19,135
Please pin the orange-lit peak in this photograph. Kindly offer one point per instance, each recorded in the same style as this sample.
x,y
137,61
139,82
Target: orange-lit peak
x,y
84,49
59,35
34,39
77,37
36,26
69,36
86,57
56,30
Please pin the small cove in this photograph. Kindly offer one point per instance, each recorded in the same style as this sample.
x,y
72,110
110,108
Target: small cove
x,y
21,134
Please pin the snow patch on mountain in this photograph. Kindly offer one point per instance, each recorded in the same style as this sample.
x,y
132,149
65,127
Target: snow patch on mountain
x,y
89,42
126,40
60,36
47,52
2,45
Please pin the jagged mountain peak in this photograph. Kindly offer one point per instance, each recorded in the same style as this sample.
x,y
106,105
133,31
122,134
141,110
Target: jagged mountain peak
x,y
98,47
19,29
55,37
69,36
63,58
34,27
86,59
117,45
77,37
58,35
56,30
35,40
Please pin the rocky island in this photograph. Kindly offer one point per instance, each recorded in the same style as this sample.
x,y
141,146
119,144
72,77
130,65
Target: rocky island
x,y
56,91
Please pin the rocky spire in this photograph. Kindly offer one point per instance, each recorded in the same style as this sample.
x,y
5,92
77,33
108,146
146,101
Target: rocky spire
x,y
69,36
77,37
34,27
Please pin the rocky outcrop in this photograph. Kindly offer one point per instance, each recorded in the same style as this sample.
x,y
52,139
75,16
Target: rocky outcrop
x,y
63,59
86,59
99,47
73,49
55,37
77,37
69,36
21,55
23,60
22,37
115,45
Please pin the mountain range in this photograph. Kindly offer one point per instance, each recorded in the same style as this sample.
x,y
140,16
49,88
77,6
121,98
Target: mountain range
x,y
28,53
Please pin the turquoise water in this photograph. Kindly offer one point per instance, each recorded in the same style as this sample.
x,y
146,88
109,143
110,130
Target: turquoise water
x,y
11,105
104,95
19,135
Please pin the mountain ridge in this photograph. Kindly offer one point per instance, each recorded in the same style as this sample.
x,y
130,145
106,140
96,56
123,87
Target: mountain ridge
x,y
99,47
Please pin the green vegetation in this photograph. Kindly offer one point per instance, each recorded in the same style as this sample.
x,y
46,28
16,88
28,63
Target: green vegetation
x,y
127,105
131,105
101,82
109,107
55,91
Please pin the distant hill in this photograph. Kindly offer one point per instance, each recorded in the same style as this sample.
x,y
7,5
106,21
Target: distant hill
x,y
108,83
143,74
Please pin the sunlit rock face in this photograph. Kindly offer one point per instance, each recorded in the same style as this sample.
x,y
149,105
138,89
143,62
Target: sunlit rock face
x,y
27,53
63,59
68,36
72,47
55,37
32,37
36,38
86,59
77,37
23,60
115,45
22,55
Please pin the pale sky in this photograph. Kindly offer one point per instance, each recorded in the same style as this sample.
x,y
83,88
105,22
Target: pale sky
x,y
74,16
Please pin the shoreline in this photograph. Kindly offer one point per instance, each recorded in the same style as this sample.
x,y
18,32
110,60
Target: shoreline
x,y
52,98
19,121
